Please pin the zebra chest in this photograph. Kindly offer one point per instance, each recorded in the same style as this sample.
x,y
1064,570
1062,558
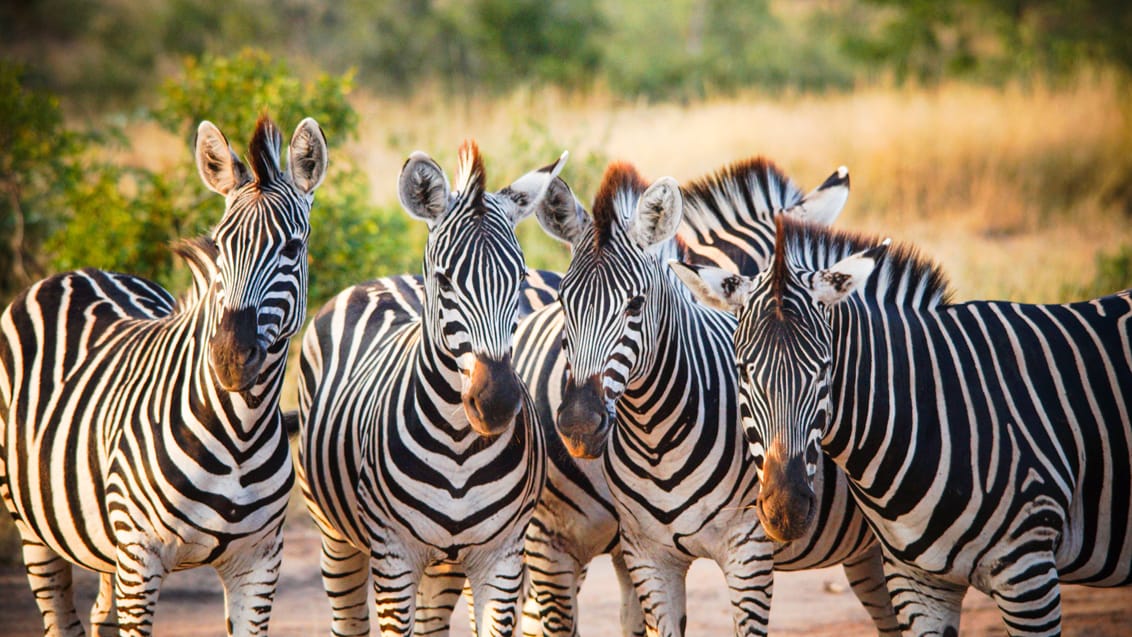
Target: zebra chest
x,y
700,490
185,487
444,491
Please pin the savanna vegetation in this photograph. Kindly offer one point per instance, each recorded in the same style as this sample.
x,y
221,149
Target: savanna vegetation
x,y
995,134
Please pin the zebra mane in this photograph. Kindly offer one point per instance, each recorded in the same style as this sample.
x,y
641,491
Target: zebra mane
x,y
621,185
734,206
902,274
264,150
200,255
470,176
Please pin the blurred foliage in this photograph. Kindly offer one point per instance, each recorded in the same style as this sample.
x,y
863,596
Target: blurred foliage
x,y
78,211
111,51
988,40
232,91
41,168
1113,274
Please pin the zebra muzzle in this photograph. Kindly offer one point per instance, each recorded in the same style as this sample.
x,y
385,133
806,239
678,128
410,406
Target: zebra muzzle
x,y
583,420
786,504
234,352
493,397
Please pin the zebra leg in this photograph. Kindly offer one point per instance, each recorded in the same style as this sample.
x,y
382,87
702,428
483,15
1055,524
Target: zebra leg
x,y
632,615
141,569
437,596
50,578
498,578
866,577
103,618
345,576
660,586
748,569
553,592
531,620
1028,596
250,578
395,582
925,604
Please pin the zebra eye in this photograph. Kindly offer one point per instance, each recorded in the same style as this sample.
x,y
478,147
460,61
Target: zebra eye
x,y
443,281
291,249
635,305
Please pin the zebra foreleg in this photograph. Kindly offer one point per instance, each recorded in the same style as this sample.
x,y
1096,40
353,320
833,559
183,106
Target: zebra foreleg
x,y
437,596
141,568
632,615
103,617
250,578
1028,595
50,578
395,583
750,583
866,577
925,604
660,586
498,579
345,576
555,577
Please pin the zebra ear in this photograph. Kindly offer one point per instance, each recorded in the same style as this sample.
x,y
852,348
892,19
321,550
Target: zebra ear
x,y
831,285
658,214
308,159
824,203
538,189
423,188
715,287
564,220
219,167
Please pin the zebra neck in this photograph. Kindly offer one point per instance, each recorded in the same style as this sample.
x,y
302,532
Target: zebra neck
x,y
870,394
666,392
438,385
241,415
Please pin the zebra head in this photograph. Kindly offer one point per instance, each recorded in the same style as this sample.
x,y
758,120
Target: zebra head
x,y
784,359
260,244
473,267
612,297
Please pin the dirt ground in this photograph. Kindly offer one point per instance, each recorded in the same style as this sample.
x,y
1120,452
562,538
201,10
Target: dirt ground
x,y
814,603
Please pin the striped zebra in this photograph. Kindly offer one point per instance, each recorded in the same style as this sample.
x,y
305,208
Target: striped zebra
x,y
142,435
418,444
727,221
651,373
989,443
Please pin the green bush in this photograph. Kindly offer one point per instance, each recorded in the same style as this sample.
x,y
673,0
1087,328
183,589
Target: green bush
x,y
40,164
124,219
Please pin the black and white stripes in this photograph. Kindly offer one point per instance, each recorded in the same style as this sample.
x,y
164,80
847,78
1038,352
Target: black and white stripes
x,y
419,446
651,372
142,436
989,443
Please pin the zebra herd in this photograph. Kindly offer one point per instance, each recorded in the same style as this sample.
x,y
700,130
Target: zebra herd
x,y
718,374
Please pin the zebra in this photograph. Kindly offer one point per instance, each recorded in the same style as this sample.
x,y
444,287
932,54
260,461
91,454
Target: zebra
x,y
651,374
989,443
418,446
727,221
142,435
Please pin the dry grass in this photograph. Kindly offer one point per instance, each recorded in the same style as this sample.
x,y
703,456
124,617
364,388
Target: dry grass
x,y
1015,191
1011,189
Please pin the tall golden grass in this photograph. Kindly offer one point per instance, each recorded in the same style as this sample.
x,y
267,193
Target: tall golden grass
x,y
1014,190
